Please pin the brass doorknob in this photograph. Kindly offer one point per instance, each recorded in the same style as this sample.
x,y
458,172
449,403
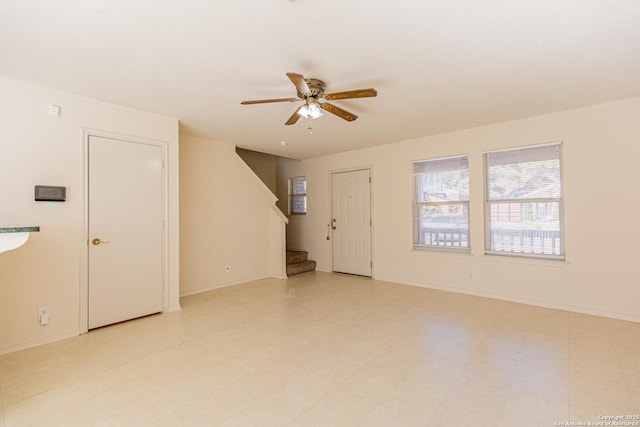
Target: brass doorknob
x,y
96,241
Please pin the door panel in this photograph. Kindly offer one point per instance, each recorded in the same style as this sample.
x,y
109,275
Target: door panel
x,y
351,195
126,215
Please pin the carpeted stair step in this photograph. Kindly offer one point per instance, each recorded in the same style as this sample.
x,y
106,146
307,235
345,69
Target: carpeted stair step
x,y
296,256
297,263
300,267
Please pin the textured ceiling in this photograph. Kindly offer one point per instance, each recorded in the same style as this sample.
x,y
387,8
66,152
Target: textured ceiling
x,y
438,66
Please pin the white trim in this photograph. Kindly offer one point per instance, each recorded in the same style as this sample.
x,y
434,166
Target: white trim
x,y
38,343
226,285
445,254
437,159
438,249
524,147
371,210
292,195
84,257
415,211
487,202
534,256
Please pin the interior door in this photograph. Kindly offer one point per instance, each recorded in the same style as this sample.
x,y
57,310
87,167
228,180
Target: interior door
x,y
125,256
351,222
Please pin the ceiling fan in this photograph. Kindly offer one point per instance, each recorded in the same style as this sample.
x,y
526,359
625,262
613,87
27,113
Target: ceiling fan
x,y
311,91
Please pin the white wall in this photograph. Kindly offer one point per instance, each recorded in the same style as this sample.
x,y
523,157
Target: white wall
x,y
601,175
226,215
36,148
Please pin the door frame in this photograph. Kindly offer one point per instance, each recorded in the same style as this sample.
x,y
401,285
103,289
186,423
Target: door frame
x,y
84,256
371,204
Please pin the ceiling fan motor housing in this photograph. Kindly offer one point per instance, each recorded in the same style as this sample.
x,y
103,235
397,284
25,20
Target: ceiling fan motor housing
x,y
316,89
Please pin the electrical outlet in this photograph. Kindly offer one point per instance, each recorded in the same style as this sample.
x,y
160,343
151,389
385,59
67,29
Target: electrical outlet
x,y
470,274
43,315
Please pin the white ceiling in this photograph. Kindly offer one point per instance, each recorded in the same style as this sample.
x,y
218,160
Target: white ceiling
x,y
438,66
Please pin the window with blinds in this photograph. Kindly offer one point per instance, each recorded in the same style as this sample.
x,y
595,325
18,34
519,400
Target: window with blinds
x,y
298,195
441,204
524,205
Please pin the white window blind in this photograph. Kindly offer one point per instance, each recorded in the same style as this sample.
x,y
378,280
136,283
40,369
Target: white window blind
x,y
298,195
441,204
524,205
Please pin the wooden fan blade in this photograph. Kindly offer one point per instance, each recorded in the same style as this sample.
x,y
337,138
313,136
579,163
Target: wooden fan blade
x,y
294,117
301,85
358,93
264,101
343,114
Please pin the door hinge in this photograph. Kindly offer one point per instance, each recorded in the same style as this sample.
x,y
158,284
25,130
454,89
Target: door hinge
x,y
369,180
371,264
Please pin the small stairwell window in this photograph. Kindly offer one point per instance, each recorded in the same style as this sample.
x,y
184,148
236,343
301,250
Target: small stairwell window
x,y
441,204
524,204
298,195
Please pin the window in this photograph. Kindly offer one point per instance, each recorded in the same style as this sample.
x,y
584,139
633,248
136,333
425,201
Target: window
x,y
524,207
441,204
298,195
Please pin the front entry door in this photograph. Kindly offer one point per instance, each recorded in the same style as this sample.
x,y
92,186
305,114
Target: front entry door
x,y
351,222
125,256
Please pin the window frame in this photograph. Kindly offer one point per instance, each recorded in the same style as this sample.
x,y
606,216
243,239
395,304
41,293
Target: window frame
x,y
417,205
559,200
293,196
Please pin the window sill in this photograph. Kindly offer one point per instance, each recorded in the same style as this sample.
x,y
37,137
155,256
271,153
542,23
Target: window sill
x,y
442,252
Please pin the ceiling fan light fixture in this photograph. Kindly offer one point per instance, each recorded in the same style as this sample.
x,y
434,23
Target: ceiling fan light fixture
x,y
315,111
311,110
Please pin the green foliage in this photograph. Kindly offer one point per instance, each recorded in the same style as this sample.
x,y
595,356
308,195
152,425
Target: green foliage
x,y
523,180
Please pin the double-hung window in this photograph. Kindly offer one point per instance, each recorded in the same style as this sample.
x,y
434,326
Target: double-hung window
x,y
298,195
441,204
524,205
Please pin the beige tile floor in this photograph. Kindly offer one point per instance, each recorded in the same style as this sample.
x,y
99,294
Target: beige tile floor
x,y
324,349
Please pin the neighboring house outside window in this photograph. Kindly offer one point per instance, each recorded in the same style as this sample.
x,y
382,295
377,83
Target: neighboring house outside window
x,y
298,195
523,203
441,204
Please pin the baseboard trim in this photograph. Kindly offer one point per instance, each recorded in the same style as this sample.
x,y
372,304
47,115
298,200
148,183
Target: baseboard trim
x,y
37,343
173,308
528,301
221,285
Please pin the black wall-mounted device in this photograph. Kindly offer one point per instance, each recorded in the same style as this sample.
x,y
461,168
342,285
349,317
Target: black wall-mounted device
x,y
49,193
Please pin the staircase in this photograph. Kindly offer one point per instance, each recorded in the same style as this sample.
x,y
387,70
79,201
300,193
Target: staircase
x,y
297,263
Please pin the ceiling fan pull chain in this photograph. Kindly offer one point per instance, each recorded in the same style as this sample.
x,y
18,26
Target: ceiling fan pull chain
x,y
310,125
